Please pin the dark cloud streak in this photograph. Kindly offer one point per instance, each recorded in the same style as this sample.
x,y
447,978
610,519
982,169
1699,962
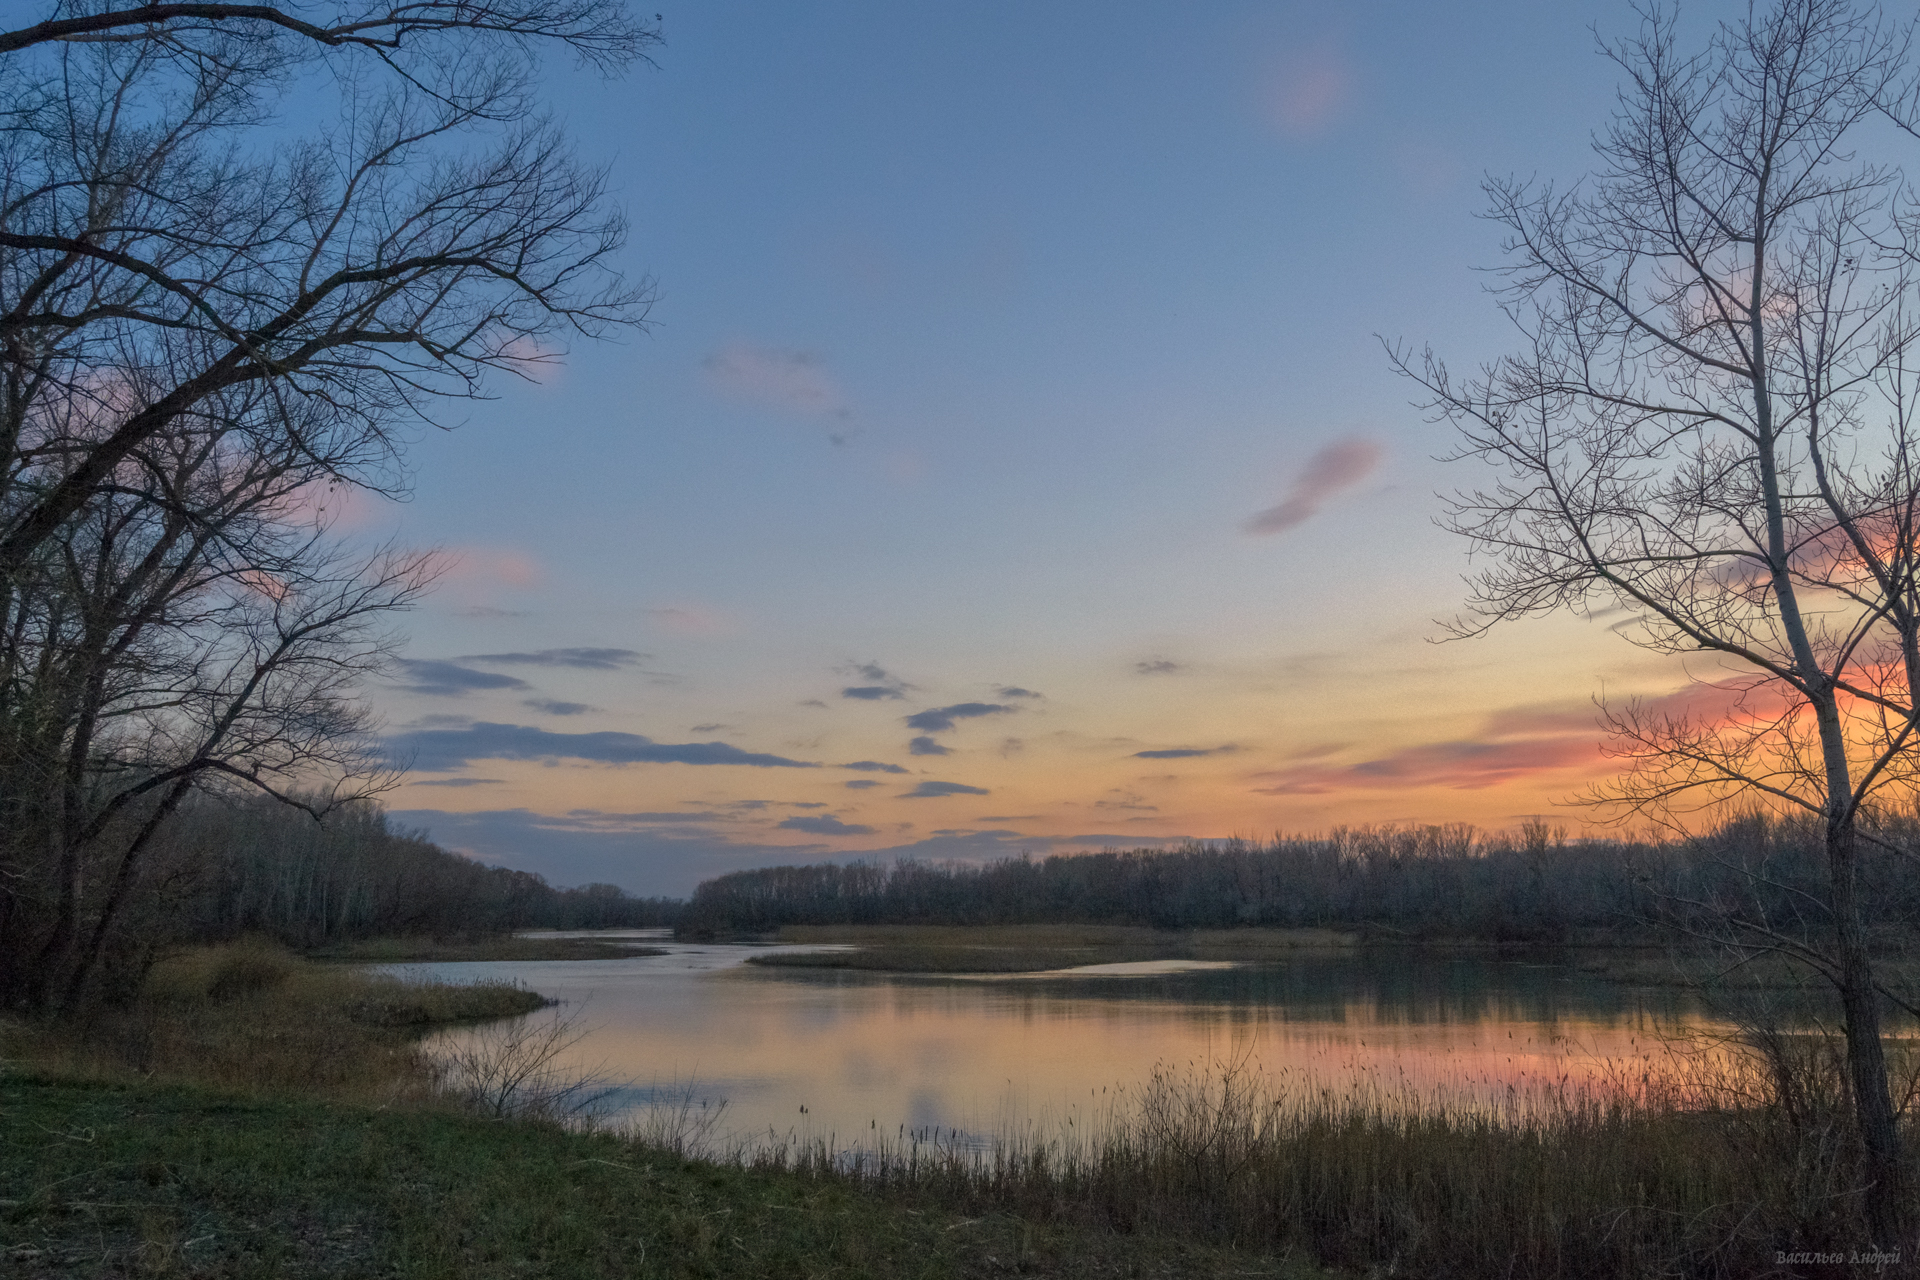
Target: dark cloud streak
x,y
929,790
586,659
940,719
438,750
441,679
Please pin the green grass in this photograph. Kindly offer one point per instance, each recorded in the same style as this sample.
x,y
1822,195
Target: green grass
x,y
256,1115
253,1114
106,1179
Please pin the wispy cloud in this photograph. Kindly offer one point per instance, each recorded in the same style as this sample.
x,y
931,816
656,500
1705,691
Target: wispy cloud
x,y
873,766
940,719
442,679
493,566
825,825
1458,766
588,659
1515,743
1182,753
880,683
782,378
455,782
861,784
555,707
929,790
1015,691
441,750
690,618
604,820
1306,87
1338,466
1156,667
925,746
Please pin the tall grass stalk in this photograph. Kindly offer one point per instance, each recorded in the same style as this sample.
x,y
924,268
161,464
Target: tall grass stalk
x,y
1705,1167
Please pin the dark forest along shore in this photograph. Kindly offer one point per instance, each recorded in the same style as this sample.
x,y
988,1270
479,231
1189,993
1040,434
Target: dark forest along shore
x,y
852,1054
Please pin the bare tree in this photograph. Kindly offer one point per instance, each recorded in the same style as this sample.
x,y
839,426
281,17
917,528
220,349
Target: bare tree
x,y
152,224
1711,431
205,314
189,629
601,31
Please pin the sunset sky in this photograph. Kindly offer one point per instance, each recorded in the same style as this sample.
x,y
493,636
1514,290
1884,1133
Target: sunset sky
x,y
1012,463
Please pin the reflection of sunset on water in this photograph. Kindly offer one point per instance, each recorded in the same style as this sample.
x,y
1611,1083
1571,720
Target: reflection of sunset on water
x,y
865,1054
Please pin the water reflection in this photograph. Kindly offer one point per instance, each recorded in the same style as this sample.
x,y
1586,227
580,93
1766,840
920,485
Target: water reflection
x,y
849,1054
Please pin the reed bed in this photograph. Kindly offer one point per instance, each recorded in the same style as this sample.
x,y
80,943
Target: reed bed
x,y
252,1015
1712,1166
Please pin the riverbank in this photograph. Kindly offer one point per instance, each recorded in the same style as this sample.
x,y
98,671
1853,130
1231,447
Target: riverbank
x,y
1629,958
116,1179
252,1114
256,1115
1032,948
501,946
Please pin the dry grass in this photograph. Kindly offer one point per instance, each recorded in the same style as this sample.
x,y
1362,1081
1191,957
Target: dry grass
x,y
1049,936
1707,1168
239,1119
250,1015
414,950
1030,948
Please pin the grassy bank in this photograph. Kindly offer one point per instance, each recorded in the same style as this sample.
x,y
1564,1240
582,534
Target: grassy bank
x,y
252,1015
1032,948
255,1115
426,950
103,1179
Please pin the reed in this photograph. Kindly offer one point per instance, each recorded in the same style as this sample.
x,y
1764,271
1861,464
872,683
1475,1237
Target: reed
x,y
1709,1166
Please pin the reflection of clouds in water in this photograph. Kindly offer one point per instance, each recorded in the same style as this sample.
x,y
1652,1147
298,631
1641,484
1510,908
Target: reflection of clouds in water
x,y
924,1110
862,1070
871,1052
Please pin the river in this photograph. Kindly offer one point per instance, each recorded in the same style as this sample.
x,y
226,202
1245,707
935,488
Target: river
x,y
846,1055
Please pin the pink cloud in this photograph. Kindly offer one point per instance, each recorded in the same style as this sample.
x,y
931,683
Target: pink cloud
x,y
1340,465
1458,766
776,378
264,584
1524,742
340,508
691,619
534,360
1305,89
493,566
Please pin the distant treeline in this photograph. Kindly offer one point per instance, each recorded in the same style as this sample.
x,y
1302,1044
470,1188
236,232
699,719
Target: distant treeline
x,y
1528,885
233,866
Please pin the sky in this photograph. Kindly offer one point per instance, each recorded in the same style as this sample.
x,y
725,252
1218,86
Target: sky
x,y
1012,462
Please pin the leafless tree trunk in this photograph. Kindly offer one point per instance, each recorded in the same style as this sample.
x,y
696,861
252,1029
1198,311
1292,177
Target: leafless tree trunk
x,y
1711,432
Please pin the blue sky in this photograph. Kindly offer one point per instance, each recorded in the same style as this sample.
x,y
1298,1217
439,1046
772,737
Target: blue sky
x,y
1004,347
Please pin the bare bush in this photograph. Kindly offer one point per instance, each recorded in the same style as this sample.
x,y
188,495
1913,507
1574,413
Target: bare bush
x,y
518,1069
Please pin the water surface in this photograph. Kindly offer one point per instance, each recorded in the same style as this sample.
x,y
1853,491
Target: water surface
x,y
848,1054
